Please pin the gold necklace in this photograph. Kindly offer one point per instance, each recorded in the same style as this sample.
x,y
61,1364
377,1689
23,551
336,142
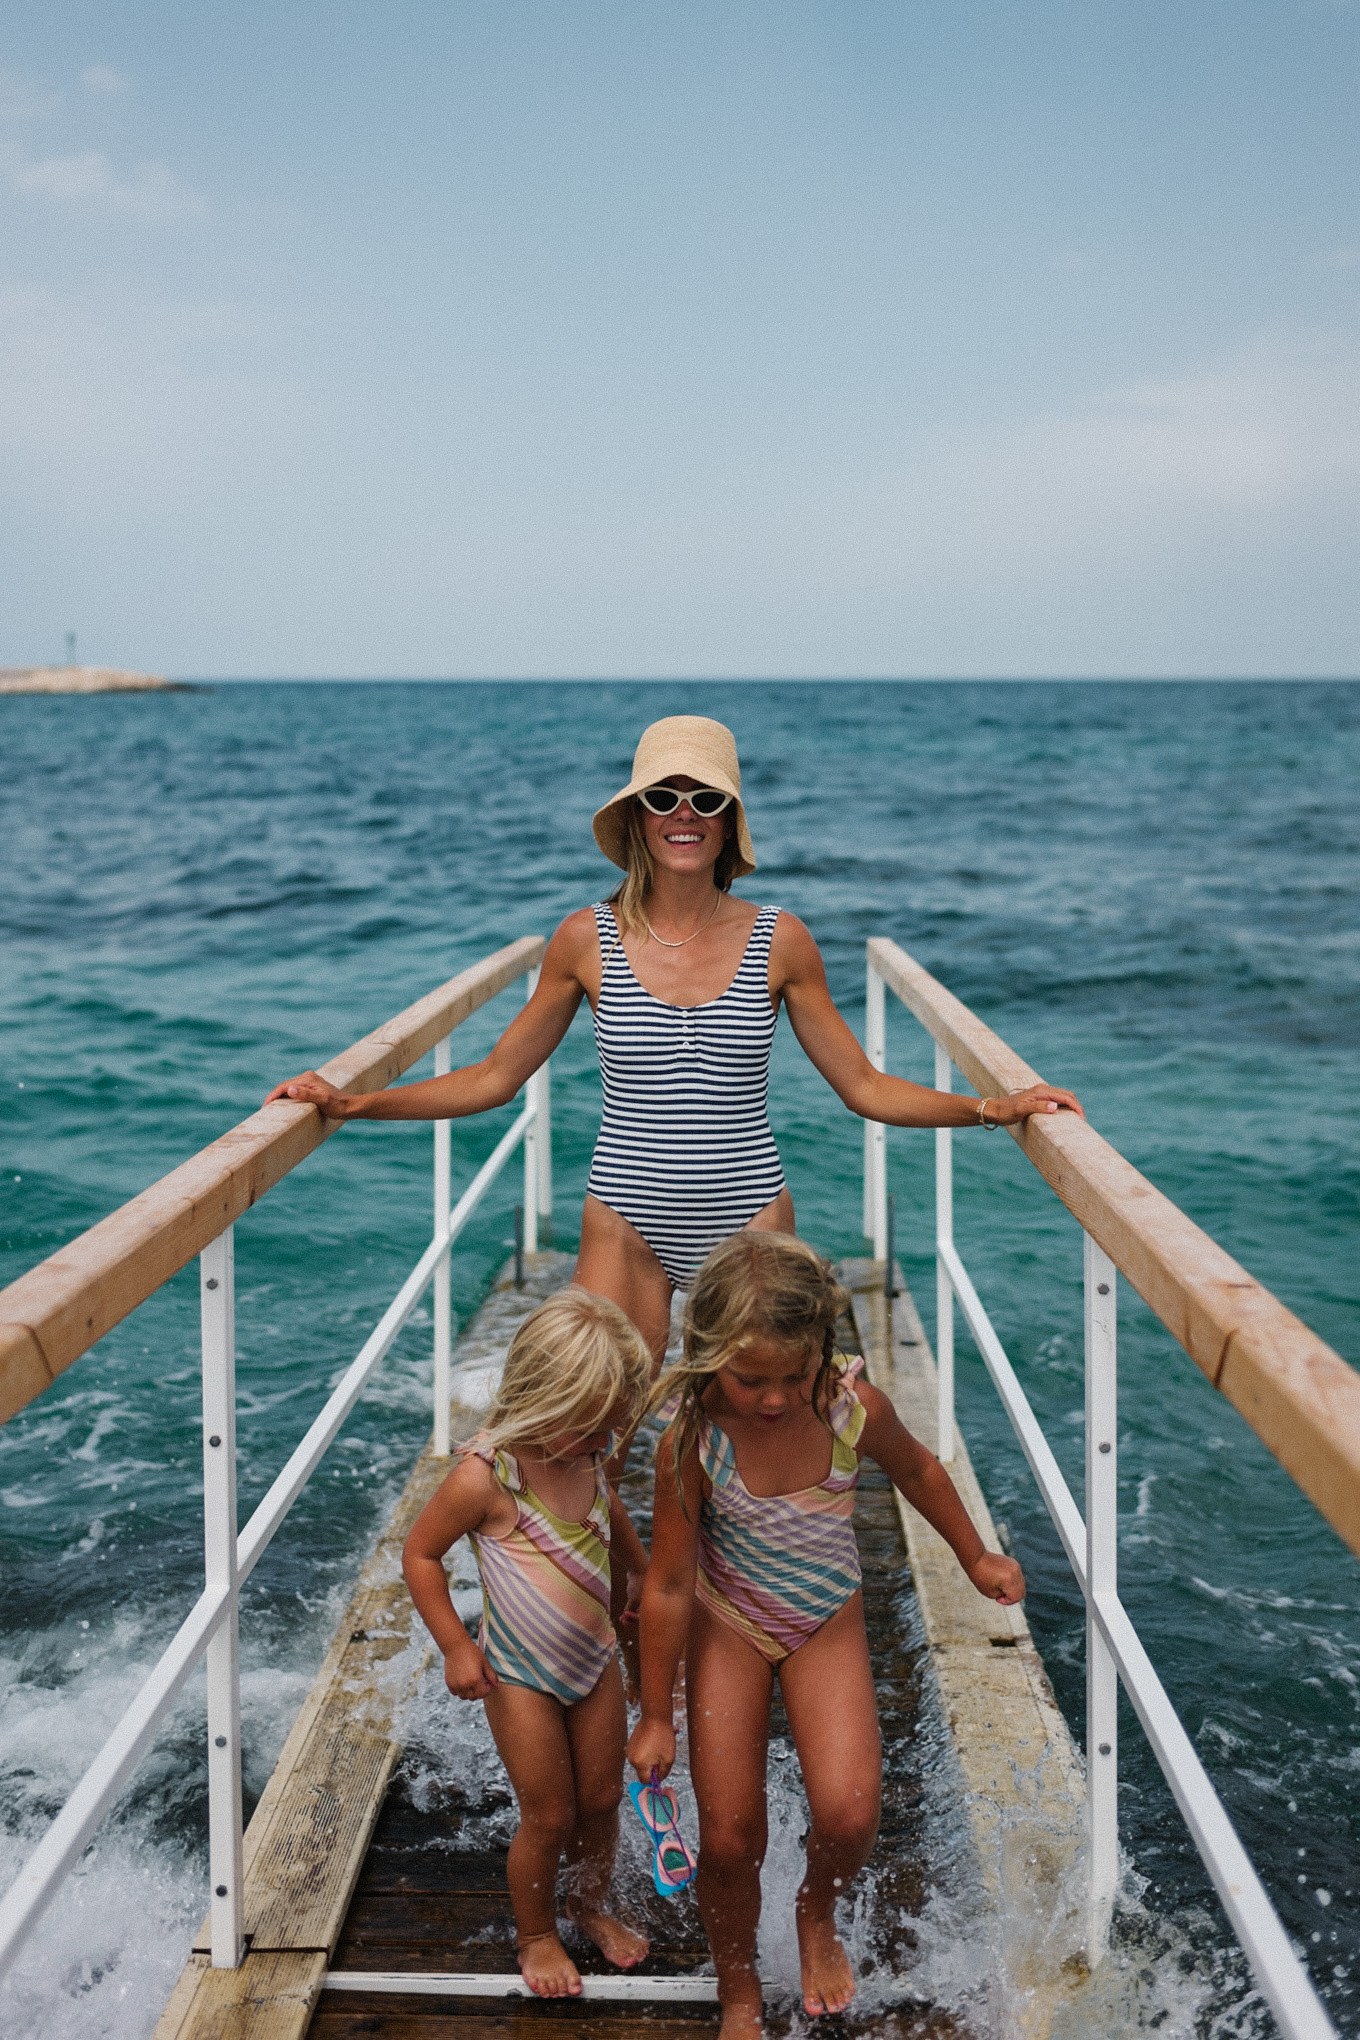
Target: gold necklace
x,y
684,938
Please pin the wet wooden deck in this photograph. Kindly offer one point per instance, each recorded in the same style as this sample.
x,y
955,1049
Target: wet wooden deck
x,y
351,1868
421,1904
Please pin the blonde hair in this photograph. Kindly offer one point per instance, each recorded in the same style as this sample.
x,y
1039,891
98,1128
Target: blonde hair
x,y
756,1285
574,1361
629,900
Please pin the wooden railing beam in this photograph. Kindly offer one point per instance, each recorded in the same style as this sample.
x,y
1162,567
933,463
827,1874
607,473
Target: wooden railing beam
x,y
1301,1398
59,1309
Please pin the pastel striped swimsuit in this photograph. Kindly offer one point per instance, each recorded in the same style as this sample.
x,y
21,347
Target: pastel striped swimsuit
x,y
545,1588
776,1567
685,1151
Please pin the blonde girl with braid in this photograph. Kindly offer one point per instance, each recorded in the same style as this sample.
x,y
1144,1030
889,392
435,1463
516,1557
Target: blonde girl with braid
x,y
755,1575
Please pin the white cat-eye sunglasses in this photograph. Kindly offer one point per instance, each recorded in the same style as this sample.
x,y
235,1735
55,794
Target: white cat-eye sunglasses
x,y
706,801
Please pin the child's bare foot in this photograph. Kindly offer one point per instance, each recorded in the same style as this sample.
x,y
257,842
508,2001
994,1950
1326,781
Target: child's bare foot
x,y
616,1942
742,2018
546,1966
828,1980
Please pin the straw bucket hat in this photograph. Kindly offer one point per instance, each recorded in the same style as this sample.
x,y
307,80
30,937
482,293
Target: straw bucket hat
x,y
698,748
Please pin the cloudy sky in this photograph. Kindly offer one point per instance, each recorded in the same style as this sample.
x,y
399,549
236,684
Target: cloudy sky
x,y
592,338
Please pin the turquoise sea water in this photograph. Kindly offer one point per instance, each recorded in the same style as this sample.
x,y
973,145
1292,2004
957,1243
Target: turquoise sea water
x,y
1150,891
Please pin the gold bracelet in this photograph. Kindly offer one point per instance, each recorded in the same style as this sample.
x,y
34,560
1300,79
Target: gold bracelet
x,y
992,1125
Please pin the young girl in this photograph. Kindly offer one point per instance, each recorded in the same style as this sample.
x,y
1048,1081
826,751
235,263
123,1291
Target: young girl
x,y
755,1570
530,1492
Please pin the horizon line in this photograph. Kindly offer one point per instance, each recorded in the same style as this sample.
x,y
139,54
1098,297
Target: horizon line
x,y
765,679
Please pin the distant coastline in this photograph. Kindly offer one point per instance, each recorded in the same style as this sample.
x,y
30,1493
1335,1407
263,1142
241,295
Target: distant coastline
x,y
84,680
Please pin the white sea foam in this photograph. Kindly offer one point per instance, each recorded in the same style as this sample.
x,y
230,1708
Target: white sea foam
x,y
104,1957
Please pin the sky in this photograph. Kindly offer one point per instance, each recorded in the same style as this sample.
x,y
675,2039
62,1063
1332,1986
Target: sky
x,y
596,339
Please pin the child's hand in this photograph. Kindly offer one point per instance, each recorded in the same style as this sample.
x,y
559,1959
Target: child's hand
x,y
1000,1579
651,1747
467,1673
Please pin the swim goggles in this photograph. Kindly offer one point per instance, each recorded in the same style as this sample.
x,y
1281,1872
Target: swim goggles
x,y
704,800
657,1809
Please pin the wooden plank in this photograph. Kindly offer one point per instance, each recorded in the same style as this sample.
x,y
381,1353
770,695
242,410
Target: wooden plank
x,y
270,1997
428,1924
1301,1398
422,1863
58,1310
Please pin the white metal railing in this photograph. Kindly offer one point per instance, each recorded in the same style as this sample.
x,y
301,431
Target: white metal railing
x,y
1114,1651
211,1628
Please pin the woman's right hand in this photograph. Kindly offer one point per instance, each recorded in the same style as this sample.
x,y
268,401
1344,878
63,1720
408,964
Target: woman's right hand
x,y
310,1089
651,1747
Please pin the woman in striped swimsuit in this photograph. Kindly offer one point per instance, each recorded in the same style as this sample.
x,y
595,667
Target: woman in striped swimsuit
x,y
754,1573
685,981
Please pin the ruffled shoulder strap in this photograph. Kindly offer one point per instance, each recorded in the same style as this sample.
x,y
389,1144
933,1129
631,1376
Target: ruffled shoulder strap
x,y
717,1455
846,1414
503,1464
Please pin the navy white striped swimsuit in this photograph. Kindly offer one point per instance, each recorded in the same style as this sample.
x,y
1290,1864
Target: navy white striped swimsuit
x,y
685,1151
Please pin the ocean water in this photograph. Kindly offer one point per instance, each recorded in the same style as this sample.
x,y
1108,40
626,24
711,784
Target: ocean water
x,y
1149,890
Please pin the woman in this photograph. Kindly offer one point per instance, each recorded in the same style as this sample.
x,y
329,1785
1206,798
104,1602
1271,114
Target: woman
x,y
685,982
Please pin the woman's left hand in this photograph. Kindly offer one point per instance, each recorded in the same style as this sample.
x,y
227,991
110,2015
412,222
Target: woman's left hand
x,y
1037,1099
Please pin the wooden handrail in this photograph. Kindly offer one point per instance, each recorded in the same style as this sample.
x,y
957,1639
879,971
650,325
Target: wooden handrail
x,y
1301,1399
58,1310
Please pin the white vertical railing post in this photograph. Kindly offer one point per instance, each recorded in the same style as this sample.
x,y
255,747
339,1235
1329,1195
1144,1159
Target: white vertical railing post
x,y
875,1135
540,1090
532,1143
1102,1578
217,1305
443,1284
944,1288
539,1143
